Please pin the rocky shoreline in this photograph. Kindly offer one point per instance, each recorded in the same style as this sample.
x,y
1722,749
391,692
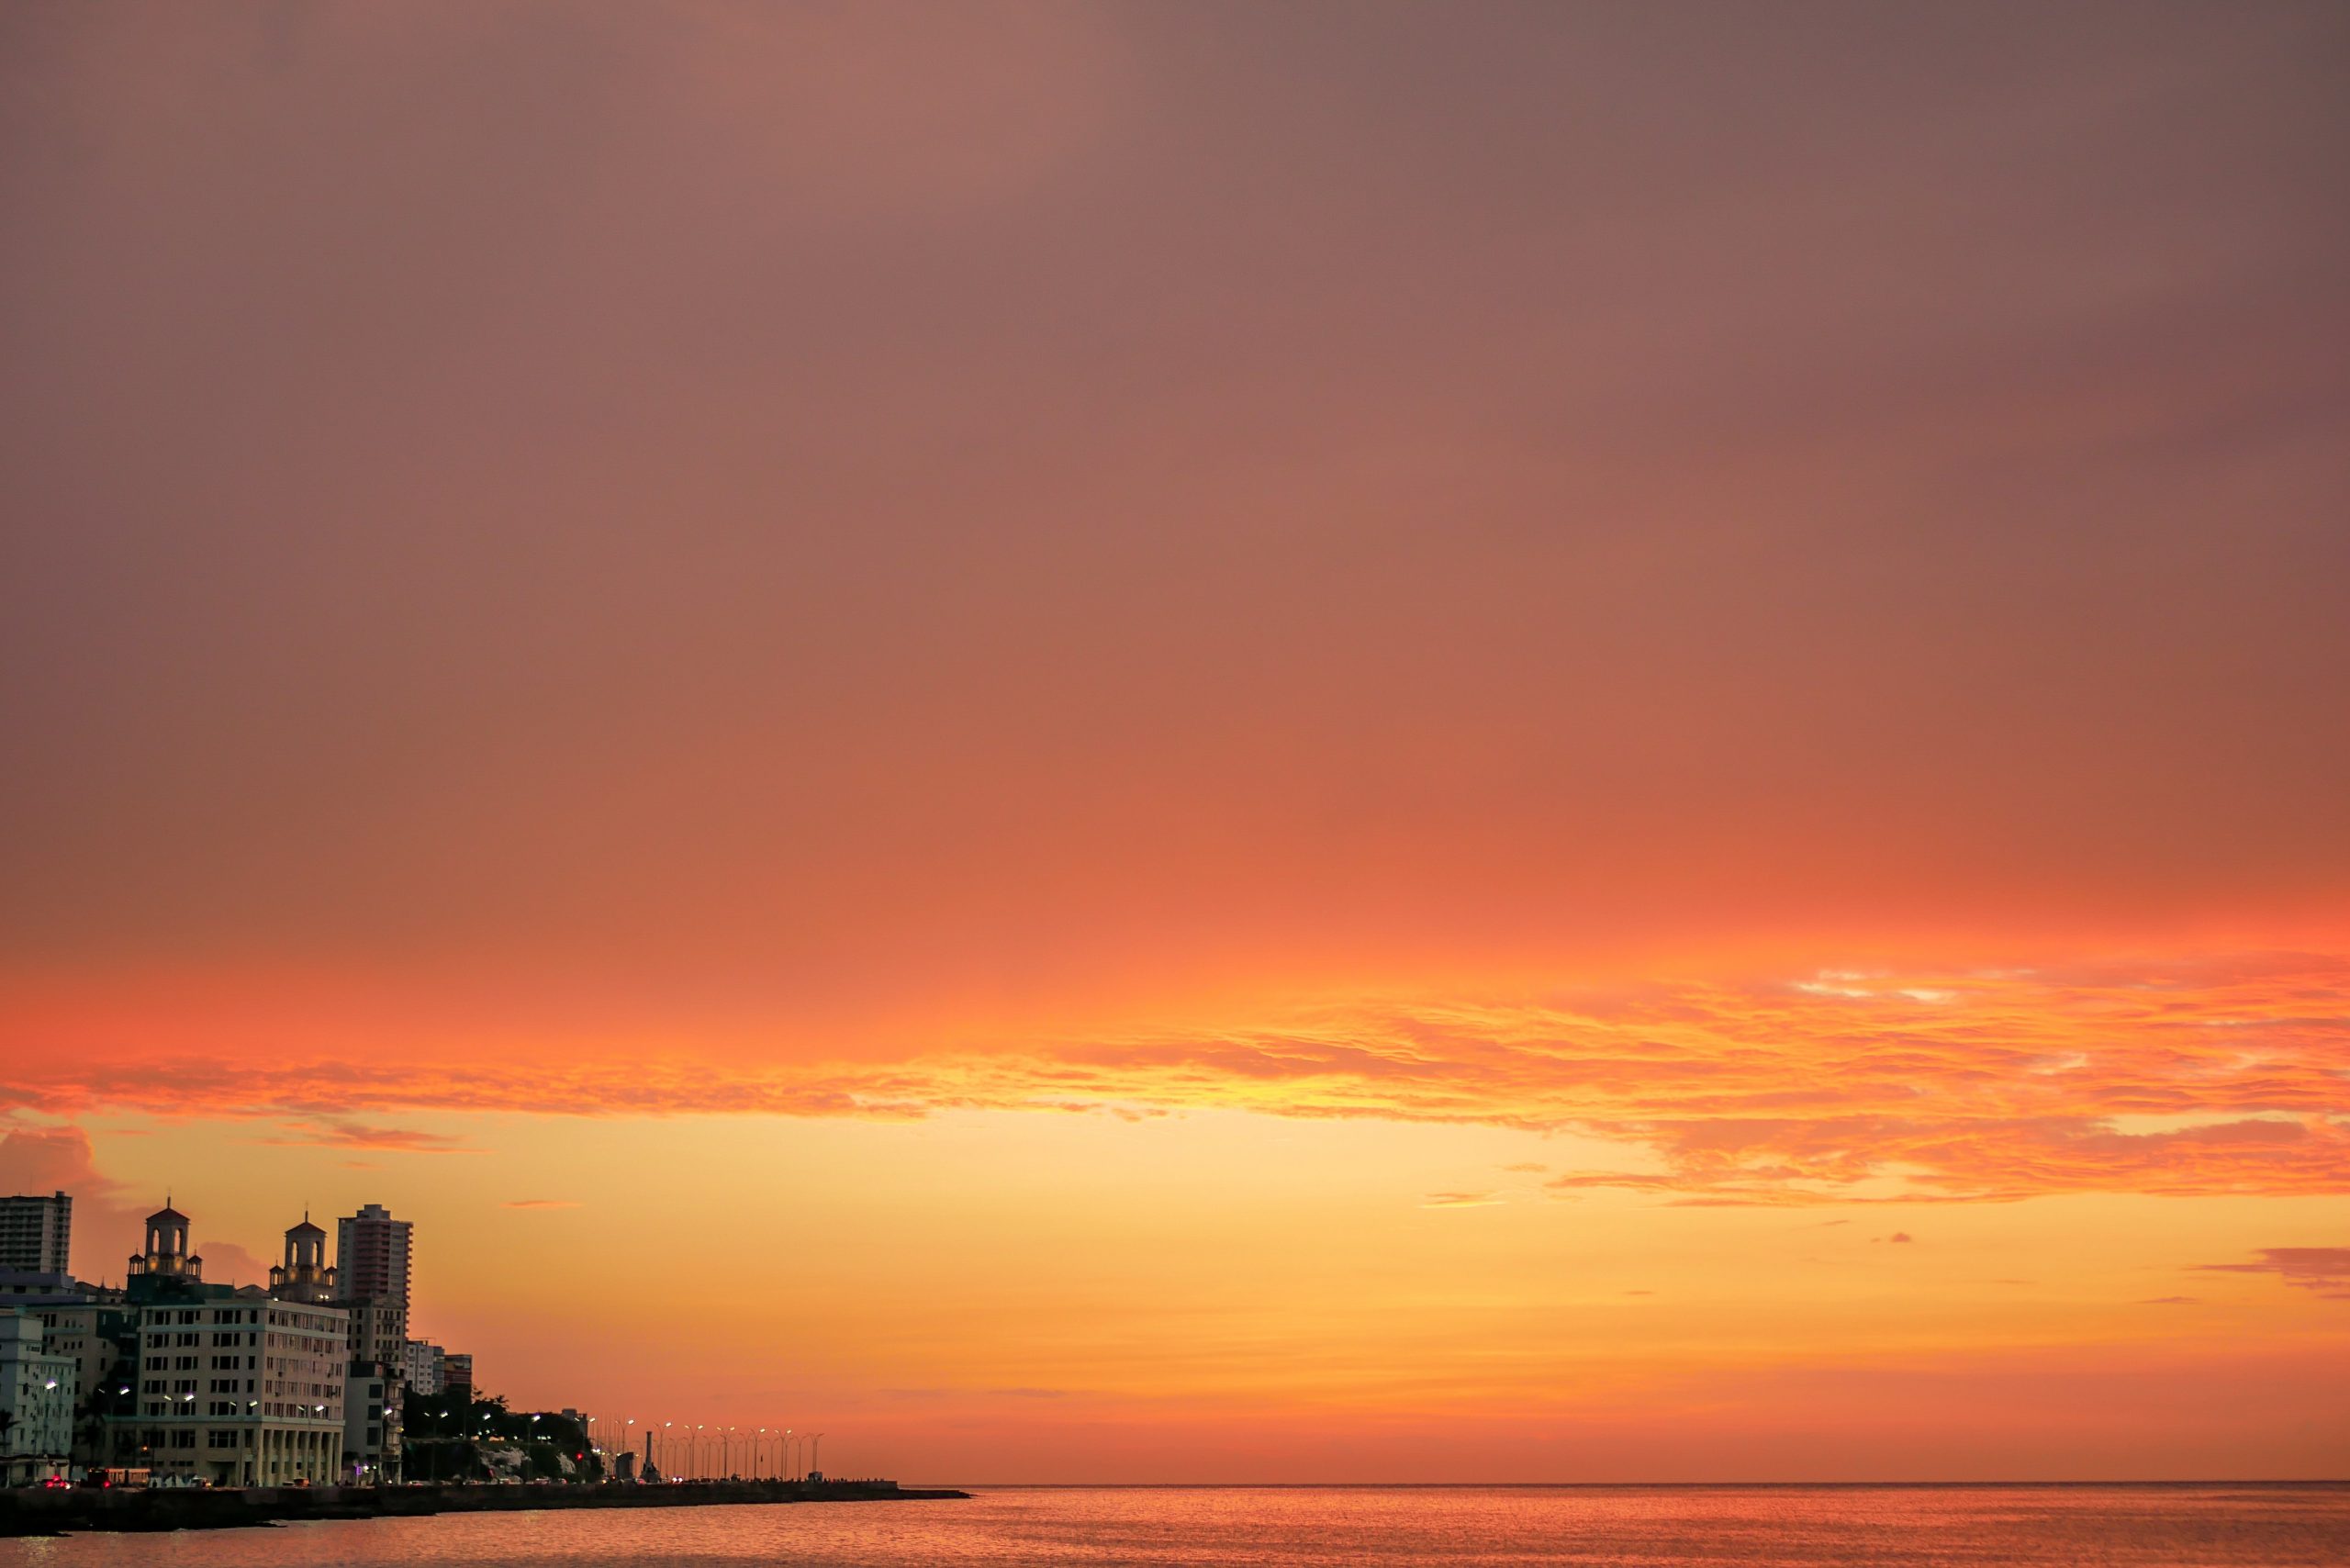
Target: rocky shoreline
x,y
32,1511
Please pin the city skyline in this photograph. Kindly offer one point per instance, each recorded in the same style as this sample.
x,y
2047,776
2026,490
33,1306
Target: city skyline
x,y
1135,743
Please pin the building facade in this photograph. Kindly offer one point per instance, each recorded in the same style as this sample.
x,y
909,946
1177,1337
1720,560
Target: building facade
x,y
370,1278
239,1390
36,1234
457,1377
422,1364
370,1424
378,1332
372,1252
39,1390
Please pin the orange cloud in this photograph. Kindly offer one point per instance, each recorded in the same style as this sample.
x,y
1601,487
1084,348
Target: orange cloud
x,y
2195,1075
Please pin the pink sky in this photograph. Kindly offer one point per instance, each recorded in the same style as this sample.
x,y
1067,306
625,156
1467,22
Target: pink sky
x,y
1354,708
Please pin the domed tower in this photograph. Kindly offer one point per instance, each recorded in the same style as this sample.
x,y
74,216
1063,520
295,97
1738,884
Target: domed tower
x,y
167,1254
304,1276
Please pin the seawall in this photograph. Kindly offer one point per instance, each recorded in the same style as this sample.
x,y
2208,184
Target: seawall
x,y
37,1511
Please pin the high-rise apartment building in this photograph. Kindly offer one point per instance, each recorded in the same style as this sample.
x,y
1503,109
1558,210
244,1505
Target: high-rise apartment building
x,y
36,1234
371,1258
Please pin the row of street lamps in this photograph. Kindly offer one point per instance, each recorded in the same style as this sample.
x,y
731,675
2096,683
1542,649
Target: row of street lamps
x,y
693,1451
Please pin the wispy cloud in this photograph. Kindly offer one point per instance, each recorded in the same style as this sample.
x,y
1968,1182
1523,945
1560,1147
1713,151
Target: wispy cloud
x,y
1459,1200
542,1203
2324,1269
354,1135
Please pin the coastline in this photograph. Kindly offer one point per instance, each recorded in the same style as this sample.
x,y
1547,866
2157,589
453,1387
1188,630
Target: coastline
x,y
39,1512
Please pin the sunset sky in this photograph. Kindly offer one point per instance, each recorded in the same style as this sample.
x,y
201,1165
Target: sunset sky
x,y
1209,742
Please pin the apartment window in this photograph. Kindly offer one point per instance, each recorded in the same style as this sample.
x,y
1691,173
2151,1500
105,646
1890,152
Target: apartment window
x,y
219,1440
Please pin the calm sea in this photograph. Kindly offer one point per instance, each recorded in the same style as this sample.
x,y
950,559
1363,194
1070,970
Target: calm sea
x,y
2305,1526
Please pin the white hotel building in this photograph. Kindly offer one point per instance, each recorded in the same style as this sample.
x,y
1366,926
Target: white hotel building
x,y
235,1387
245,1392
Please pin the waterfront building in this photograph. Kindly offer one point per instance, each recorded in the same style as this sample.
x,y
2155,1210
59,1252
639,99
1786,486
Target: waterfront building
x,y
421,1366
240,1389
457,1377
36,1234
101,1338
371,1424
37,1393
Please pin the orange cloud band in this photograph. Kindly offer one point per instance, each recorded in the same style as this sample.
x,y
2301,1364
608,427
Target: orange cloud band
x,y
2226,1074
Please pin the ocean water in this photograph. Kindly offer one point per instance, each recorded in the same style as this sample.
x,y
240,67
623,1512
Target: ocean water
x,y
1792,1526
